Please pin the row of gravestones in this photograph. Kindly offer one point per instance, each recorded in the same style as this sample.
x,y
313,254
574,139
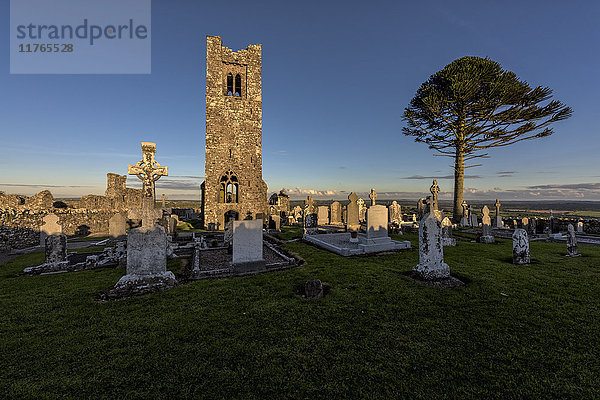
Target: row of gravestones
x,y
431,243
351,215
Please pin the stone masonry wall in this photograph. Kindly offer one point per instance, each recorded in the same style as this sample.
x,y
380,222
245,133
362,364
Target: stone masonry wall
x,y
233,131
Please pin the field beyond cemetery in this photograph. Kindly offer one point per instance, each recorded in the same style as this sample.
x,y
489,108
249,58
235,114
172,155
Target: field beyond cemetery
x,y
511,332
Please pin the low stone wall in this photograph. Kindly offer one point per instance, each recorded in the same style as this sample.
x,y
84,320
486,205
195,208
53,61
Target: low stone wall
x,y
24,225
18,238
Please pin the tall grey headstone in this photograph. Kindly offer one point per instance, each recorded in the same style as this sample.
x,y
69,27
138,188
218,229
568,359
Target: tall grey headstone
x,y
323,215
486,226
473,222
498,219
431,250
352,222
335,211
464,221
520,247
572,250
56,248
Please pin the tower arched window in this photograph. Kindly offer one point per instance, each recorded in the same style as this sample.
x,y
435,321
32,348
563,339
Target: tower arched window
x,y
229,84
228,188
238,85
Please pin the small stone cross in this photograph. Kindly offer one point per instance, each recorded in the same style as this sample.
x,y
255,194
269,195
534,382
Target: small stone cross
x,y
148,170
148,214
163,198
435,189
497,208
373,196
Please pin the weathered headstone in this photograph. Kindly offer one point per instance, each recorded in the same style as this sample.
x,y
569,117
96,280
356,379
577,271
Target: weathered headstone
x,y
447,239
431,250
580,227
117,225
525,224
50,226
486,226
335,211
313,289
362,210
352,223
520,247
473,222
56,248
572,250
323,215
248,246
464,221
297,214
395,213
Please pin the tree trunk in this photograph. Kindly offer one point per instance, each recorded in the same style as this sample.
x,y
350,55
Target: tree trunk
x,y
459,179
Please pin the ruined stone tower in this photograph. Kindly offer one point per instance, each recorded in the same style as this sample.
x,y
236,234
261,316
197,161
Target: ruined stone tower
x,y
233,185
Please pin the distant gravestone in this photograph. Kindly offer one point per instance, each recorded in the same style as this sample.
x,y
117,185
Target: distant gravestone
x,y
520,247
498,219
297,214
464,221
248,246
373,196
323,215
525,224
377,222
580,227
335,211
362,210
50,226
447,239
486,226
473,220
56,248
395,215
117,225
572,250
275,222
352,222
431,250
421,208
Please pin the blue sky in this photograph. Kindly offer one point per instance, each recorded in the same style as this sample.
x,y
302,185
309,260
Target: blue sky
x,y
337,76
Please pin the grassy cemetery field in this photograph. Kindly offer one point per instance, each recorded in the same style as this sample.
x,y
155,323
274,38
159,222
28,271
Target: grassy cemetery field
x,y
511,332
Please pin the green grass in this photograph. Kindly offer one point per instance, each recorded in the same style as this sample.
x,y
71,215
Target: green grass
x,y
289,232
376,335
